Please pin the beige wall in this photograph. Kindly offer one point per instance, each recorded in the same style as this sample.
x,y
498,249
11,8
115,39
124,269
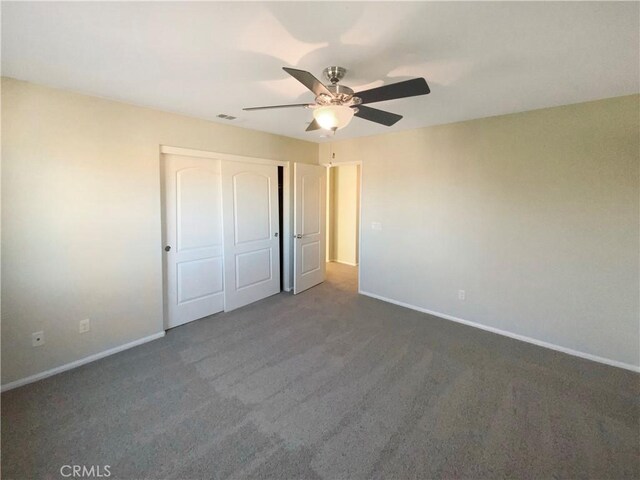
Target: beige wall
x,y
343,216
535,215
81,234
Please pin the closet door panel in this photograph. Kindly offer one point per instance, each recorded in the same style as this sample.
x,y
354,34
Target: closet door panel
x,y
251,243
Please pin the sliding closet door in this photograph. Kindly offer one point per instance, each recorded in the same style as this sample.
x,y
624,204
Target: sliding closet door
x,y
193,260
251,243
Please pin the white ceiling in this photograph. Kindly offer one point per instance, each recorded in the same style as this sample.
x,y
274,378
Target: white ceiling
x,y
202,59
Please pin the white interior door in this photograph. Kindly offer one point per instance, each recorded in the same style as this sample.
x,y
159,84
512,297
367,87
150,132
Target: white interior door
x,y
310,196
193,260
251,230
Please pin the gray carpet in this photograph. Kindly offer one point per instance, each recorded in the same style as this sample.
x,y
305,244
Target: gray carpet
x,y
332,385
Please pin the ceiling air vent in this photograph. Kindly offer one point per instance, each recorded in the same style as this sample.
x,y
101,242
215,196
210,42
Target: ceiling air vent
x,y
226,117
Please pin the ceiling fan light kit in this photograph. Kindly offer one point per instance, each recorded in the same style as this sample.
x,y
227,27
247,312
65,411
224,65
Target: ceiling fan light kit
x,y
333,117
336,105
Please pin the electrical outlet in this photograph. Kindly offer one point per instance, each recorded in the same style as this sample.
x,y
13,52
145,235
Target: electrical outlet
x,y
461,294
84,326
37,338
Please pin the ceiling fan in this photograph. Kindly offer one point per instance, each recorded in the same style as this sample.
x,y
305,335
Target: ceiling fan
x,y
335,105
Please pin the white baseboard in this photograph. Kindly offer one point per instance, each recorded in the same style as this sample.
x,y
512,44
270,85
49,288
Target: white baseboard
x,y
344,263
77,363
523,338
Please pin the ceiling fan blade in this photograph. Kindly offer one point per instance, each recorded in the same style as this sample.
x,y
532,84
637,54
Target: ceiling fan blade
x,y
278,106
408,88
308,80
313,126
378,116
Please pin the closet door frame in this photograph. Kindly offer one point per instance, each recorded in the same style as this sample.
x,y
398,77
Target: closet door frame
x,y
287,265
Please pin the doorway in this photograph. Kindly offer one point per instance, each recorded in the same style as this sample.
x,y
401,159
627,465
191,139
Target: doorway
x,y
343,219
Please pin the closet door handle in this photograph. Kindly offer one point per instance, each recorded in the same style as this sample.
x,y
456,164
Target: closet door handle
x,y
275,234
298,236
167,248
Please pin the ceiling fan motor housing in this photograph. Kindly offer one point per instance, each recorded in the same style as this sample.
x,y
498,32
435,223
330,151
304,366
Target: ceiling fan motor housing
x,y
340,94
